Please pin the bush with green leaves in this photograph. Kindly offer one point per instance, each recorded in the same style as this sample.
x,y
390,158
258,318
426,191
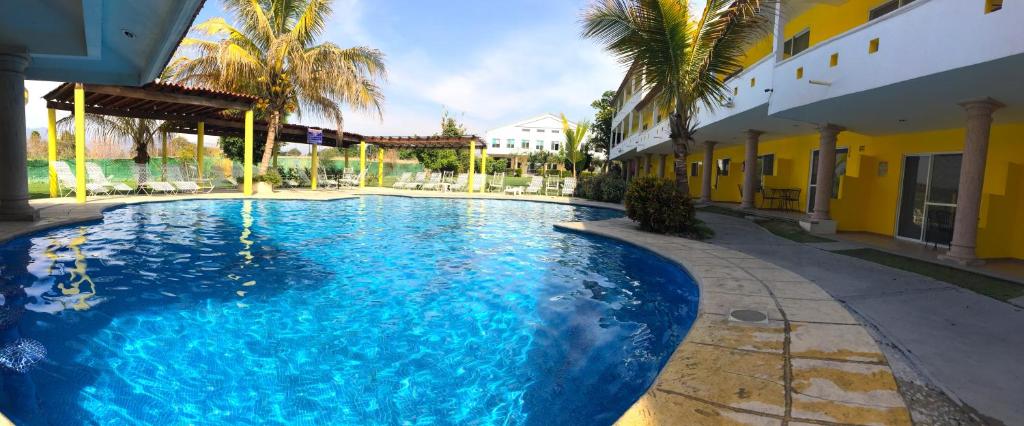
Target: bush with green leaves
x,y
607,187
271,177
659,207
497,165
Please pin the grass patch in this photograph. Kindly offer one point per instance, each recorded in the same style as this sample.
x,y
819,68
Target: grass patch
x,y
791,231
992,287
785,229
723,211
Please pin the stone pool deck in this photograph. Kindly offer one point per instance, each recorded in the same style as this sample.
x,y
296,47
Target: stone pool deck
x,y
810,362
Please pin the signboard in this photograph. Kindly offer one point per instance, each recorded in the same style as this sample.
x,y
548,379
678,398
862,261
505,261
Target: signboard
x,y
315,136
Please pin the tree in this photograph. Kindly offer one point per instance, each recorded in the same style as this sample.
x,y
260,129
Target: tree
x,y
679,54
141,131
234,148
601,131
294,152
445,159
574,150
272,54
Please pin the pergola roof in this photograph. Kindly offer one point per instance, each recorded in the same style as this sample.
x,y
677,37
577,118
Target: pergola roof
x,y
159,101
186,106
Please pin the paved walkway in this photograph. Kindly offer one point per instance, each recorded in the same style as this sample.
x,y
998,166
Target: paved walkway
x,y
808,362
969,345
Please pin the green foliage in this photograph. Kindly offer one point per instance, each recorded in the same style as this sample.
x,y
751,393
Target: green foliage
x,y
445,159
234,148
271,177
607,187
601,131
574,151
658,206
497,165
294,152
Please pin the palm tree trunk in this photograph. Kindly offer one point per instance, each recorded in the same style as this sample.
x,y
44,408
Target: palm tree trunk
x,y
268,148
679,136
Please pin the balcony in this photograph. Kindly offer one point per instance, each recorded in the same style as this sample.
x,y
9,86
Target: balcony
x,y
924,38
628,106
750,90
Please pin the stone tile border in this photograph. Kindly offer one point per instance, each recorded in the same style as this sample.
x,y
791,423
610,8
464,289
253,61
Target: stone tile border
x,y
811,362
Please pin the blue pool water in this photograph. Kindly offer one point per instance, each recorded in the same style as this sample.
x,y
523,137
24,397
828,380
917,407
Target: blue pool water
x,y
378,310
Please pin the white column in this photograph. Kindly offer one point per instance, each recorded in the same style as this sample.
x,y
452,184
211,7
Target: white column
x,y
750,172
972,177
709,166
826,170
13,156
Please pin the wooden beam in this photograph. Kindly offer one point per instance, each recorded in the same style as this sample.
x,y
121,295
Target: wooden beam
x,y
140,93
133,113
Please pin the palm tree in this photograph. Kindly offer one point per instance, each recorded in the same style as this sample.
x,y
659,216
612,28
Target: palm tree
x,y
679,54
272,54
141,131
574,149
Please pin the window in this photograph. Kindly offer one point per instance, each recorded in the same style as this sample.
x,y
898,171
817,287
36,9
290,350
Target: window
x,y
797,44
526,130
723,167
540,145
767,164
495,143
510,143
556,131
886,8
525,144
555,146
693,169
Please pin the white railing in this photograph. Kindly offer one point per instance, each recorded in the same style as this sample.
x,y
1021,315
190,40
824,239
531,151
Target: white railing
x,y
745,95
920,39
628,106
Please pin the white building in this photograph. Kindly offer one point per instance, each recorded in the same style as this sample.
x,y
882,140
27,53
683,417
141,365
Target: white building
x,y
517,141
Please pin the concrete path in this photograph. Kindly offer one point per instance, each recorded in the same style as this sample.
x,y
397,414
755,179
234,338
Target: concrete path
x,y
966,344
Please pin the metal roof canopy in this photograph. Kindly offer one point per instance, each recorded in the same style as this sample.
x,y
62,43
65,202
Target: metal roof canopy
x,y
158,101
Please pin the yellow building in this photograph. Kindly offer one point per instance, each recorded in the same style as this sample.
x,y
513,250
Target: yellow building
x,y
924,120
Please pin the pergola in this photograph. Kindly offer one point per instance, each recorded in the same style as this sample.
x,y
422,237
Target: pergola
x,y
203,111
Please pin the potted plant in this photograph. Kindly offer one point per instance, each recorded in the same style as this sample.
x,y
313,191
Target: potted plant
x,y
265,183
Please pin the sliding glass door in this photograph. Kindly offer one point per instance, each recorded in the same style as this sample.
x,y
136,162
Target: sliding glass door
x,y
928,196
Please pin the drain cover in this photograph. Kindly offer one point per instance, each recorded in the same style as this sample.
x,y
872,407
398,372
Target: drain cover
x,y
748,315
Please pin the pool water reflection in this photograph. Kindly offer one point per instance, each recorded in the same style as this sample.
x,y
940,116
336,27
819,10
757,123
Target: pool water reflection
x,y
379,310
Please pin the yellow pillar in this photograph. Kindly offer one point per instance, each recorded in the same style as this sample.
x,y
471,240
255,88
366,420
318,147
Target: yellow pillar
x,y
380,167
163,156
314,166
247,167
200,131
362,164
79,142
51,148
472,165
483,161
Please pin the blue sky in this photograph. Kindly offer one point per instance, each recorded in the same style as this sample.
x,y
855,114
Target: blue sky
x,y
489,62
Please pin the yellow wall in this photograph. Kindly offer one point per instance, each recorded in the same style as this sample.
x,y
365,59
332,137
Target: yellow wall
x,y
868,202
757,51
826,21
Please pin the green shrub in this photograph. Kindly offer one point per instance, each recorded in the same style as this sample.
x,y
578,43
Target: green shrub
x,y
659,207
608,187
498,165
271,177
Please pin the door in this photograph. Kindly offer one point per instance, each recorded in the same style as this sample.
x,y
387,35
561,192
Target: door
x,y
928,197
841,155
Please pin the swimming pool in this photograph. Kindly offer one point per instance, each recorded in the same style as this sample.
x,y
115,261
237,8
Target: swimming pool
x,y
377,310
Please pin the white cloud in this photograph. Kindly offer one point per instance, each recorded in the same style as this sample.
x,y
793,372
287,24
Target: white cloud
x,y
35,110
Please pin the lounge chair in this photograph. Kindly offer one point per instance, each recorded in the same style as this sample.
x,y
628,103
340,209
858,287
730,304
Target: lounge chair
x,y
402,179
569,186
216,176
67,184
413,183
302,176
289,178
191,170
146,186
536,184
175,177
551,185
497,182
326,181
95,175
479,181
434,183
354,180
460,182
